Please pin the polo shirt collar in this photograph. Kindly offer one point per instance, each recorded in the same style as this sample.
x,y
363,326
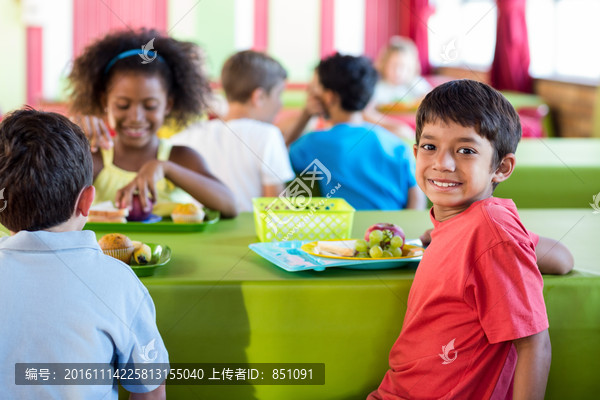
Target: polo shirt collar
x,y
45,241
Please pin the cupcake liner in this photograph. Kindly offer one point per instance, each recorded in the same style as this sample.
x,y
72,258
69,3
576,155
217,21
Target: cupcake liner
x,y
120,254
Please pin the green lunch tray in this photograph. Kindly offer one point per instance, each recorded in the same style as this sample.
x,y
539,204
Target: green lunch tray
x,y
166,224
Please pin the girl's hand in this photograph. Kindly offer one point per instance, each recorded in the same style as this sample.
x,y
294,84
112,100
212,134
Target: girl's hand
x,y
95,130
144,184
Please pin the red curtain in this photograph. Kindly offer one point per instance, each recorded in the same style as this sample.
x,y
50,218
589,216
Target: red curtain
x,y
94,19
261,25
386,18
327,28
381,22
34,65
419,15
510,68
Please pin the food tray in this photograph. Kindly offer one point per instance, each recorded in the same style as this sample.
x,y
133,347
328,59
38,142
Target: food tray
x,y
290,257
164,225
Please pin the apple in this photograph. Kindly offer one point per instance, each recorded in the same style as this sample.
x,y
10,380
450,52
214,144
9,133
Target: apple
x,y
388,230
137,213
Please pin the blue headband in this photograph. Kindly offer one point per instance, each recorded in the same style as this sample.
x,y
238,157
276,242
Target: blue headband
x,y
147,56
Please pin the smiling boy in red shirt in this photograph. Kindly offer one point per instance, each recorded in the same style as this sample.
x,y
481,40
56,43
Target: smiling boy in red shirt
x,y
476,324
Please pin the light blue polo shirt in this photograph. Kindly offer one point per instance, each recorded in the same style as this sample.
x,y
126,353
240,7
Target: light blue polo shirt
x,y
63,301
372,168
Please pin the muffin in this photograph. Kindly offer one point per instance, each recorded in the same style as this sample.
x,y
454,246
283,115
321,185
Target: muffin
x,y
187,214
117,245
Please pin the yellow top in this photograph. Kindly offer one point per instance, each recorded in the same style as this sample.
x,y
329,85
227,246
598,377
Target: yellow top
x,y
170,128
113,178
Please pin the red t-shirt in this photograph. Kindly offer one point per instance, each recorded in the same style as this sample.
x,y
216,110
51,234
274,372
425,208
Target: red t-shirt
x,y
477,288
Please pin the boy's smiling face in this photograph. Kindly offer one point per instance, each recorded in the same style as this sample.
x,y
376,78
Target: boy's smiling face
x,y
454,167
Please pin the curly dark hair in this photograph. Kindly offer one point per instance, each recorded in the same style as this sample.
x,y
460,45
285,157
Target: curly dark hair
x,y
473,104
45,162
181,70
351,78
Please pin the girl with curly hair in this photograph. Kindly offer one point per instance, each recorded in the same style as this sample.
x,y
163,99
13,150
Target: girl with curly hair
x,y
137,81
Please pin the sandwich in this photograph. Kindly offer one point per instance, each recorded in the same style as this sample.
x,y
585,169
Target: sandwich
x,y
343,248
107,212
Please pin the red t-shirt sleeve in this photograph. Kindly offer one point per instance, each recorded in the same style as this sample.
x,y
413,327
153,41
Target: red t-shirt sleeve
x,y
506,287
535,238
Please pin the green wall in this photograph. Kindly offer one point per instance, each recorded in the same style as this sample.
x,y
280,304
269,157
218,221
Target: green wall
x,y
12,48
294,29
294,36
210,24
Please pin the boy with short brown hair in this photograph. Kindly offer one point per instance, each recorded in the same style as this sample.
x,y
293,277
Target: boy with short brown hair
x,y
476,324
244,149
63,300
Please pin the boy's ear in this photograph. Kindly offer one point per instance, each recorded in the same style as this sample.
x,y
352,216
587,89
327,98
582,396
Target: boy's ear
x,y
85,200
330,97
505,169
415,148
257,97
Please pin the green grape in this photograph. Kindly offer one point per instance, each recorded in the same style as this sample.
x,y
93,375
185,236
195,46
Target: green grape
x,y
361,246
396,252
387,235
375,236
376,252
362,254
396,242
387,254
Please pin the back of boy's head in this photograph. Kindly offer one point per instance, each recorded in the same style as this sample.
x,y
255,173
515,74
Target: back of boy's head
x,y
248,70
473,104
352,78
45,162
179,65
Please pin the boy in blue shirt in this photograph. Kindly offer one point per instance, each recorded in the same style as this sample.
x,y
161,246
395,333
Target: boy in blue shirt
x,y
63,300
374,168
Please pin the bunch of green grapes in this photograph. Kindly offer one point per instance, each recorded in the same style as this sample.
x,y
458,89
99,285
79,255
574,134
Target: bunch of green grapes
x,y
382,244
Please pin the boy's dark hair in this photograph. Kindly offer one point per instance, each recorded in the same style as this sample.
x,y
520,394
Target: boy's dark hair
x,y
180,65
45,162
473,104
352,78
248,70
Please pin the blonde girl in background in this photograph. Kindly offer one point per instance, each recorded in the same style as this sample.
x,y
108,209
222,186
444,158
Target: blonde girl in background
x,y
399,70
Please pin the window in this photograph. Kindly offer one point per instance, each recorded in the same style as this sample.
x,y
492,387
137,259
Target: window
x,y
563,36
462,33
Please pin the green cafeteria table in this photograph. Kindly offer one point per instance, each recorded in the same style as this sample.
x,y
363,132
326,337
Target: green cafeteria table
x,y
554,173
219,302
